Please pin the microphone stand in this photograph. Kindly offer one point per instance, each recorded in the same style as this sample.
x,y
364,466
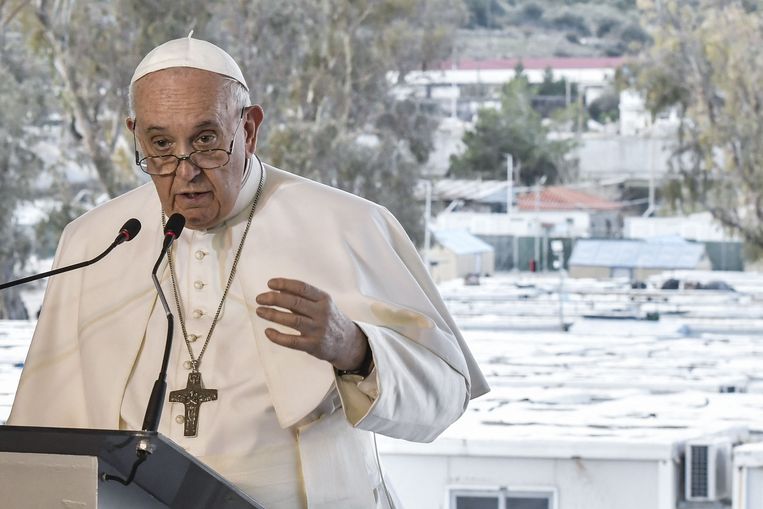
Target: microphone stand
x,y
172,230
156,401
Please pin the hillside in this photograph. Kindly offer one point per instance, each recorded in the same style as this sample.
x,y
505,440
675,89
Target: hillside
x,y
537,28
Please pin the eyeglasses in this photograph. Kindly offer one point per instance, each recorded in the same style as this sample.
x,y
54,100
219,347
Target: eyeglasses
x,y
206,159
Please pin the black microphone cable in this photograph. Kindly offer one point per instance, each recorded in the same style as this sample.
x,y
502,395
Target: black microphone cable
x,y
172,230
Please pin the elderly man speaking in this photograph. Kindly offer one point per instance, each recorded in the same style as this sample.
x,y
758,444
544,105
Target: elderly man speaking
x,y
305,308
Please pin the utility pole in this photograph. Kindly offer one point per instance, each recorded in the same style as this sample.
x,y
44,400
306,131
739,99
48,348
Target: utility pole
x,y
557,248
509,185
538,184
427,215
510,210
511,177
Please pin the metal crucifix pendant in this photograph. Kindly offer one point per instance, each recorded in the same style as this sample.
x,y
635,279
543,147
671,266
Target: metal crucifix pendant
x,y
192,397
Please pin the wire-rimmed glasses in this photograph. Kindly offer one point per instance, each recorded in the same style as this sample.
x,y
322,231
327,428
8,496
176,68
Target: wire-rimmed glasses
x,y
206,159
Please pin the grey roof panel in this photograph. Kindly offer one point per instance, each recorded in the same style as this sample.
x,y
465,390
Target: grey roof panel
x,y
675,254
462,242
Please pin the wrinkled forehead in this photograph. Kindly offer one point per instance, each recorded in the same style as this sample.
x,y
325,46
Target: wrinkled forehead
x,y
182,98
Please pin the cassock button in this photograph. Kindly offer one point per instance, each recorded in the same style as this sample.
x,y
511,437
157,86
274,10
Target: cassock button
x,y
192,337
179,419
200,254
187,364
198,285
198,313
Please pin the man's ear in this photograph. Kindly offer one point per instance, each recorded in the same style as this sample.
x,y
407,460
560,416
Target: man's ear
x,y
252,120
130,123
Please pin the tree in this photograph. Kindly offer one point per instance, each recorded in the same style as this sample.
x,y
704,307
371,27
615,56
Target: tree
x,y
516,129
323,71
324,74
92,49
22,102
704,65
482,13
606,107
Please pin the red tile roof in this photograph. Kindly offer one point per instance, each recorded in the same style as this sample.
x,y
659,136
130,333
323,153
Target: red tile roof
x,y
563,198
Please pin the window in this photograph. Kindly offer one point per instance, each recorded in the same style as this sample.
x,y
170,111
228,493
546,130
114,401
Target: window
x,y
528,501
477,502
502,498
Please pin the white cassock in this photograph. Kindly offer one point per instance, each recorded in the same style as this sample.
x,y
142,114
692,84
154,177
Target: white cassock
x,y
285,429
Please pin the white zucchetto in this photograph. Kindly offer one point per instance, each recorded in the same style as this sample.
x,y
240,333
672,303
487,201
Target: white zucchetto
x,y
188,52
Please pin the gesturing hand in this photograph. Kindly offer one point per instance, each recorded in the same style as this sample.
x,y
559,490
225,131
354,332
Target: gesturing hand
x,y
324,331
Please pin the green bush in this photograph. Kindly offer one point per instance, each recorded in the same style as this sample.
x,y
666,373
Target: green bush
x,y
605,108
531,12
569,21
606,26
483,13
634,33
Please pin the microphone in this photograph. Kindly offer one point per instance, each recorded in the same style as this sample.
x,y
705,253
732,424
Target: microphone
x,y
128,232
172,231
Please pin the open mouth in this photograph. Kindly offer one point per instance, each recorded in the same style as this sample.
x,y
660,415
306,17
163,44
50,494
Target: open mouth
x,y
192,197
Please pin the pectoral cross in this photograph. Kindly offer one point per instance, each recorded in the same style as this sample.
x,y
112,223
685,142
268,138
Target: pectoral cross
x,y
192,397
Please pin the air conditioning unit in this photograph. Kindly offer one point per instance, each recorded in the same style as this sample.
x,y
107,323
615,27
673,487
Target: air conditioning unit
x,y
708,470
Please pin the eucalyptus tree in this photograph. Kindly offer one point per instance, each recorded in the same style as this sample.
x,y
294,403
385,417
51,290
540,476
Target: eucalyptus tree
x,y
325,72
22,115
705,66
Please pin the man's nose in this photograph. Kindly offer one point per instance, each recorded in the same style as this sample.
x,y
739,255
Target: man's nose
x,y
187,170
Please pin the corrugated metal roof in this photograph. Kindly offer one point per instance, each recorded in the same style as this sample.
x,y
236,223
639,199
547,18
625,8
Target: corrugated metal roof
x,y
627,390
485,191
462,242
563,198
652,254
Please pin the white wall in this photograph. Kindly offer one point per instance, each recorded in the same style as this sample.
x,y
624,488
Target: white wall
x,y
523,224
700,226
448,141
422,482
748,477
612,156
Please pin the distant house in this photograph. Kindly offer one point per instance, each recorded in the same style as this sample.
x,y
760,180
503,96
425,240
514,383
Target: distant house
x,y
560,211
724,248
635,259
457,254
536,217
558,207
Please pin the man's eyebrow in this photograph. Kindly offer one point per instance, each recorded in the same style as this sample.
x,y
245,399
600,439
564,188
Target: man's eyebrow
x,y
201,125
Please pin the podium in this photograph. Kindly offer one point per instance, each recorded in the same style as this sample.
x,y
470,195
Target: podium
x,y
66,467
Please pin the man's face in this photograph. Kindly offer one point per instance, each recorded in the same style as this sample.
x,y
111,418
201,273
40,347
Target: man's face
x,y
179,110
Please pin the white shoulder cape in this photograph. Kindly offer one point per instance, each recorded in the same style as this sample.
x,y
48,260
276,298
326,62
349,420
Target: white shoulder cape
x,y
94,320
